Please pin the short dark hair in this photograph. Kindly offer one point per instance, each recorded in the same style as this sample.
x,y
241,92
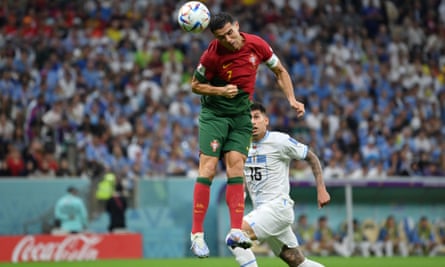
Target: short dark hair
x,y
218,21
258,106
72,190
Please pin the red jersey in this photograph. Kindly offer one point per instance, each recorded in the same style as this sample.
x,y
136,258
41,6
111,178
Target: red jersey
x,y
220,66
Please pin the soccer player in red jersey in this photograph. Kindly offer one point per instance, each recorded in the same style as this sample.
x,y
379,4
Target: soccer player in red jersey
x,y
225,79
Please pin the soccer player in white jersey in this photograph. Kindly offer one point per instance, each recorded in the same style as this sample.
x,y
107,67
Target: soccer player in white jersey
x,y
267,180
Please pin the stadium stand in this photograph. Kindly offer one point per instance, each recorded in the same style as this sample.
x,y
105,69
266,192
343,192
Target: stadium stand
x,y
104,85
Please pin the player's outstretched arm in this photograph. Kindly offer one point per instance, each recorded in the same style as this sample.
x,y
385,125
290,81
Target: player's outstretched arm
x,y
323,196
285,83
229,90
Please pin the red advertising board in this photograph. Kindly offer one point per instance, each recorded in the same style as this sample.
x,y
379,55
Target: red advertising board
x,y
74,247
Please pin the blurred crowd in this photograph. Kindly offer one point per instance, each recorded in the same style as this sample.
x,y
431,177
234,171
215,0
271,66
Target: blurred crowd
x,y
392,236
97,86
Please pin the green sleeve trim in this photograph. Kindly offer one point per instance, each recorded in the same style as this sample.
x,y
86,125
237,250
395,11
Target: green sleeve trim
x,y
200,78
235,180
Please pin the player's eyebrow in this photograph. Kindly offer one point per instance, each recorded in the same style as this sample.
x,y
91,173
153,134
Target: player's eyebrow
x,y
221,36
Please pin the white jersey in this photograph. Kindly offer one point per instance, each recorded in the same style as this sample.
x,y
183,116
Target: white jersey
x,y
267,166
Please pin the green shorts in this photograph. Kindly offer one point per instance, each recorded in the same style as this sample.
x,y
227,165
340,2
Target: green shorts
x,y
220,134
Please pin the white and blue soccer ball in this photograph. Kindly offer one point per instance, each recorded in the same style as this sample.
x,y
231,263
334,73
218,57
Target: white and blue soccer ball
x,y
193,16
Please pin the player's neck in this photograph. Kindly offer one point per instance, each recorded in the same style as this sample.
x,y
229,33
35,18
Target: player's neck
x,y
259,137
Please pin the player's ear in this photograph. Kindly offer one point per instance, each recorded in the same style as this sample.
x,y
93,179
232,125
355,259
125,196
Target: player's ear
x,y
236,25
266,120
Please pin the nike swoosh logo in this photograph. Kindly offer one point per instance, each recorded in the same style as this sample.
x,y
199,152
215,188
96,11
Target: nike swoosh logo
x,y
224,66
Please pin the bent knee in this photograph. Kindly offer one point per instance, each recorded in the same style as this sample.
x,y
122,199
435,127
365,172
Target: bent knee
x,y
207,166
248,230
292,256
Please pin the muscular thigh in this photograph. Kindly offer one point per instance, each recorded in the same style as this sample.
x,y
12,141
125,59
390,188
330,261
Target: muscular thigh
x,y
286,237
240,134
272,223
213,132
218,134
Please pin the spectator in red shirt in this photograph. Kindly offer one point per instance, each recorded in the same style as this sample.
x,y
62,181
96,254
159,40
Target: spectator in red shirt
x,y
50,162
15,163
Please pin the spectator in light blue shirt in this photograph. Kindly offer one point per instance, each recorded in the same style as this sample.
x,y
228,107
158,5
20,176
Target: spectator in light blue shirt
x,y
71,212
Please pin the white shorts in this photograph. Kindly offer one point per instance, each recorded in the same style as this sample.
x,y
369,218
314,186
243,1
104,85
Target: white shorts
x,y
272,223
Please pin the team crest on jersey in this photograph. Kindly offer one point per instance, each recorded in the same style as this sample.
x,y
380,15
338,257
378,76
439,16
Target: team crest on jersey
x,y
214,145
253,60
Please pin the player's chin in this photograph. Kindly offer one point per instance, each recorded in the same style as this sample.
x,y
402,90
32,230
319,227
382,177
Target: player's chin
x,y
235,46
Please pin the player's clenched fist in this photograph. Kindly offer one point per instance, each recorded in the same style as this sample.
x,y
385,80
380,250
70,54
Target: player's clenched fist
x,y
298,107
230,91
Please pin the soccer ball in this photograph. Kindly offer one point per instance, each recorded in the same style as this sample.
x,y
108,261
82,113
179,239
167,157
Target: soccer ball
x,y
193,16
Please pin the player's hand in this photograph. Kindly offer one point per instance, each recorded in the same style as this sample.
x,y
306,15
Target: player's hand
x,y
230,91
298,107
323,198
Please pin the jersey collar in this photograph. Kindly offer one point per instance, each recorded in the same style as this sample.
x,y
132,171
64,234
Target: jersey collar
x,y
264,138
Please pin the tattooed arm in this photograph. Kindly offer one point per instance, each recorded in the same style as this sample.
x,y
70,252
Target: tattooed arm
x,y
323,196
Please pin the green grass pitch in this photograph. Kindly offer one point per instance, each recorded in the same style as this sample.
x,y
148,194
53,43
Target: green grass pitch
x,y
230,262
